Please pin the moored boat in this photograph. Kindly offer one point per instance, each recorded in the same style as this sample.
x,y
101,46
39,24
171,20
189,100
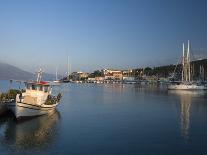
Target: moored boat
x,y
56,78
36,100
186,86
186,83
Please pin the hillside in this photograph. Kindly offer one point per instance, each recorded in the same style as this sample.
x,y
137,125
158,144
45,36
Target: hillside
x,y
11,72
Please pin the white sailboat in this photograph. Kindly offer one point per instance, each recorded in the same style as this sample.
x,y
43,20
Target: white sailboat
x,y
186,83
36,100
67,78
56,77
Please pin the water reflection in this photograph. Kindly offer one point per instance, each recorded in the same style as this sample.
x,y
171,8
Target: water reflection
x,y
119,88
186,98
37,132
151,89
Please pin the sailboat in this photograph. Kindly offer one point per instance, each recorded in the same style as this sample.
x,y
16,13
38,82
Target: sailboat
x,y
67,78
186,82
56,77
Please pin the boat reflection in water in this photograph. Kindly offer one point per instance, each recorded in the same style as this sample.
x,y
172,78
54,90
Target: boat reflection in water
x,y
37,132
186,98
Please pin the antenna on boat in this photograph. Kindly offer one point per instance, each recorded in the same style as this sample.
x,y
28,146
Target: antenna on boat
x,y
39,75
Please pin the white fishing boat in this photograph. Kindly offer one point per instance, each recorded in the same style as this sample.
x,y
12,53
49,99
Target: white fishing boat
x,y
186,83
36,100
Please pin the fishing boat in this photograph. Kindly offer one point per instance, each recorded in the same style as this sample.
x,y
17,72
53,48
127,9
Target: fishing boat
x,y
36,100
186,83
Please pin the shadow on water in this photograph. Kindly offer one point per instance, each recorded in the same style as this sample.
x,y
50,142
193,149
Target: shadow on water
x,y
35,133
151,89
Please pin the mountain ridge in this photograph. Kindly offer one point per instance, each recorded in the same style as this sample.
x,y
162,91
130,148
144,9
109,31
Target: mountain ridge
x,y
8,72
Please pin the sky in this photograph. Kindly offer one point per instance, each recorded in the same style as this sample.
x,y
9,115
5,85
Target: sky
x,y
97,34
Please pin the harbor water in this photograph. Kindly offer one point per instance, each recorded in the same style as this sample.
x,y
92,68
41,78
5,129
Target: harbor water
x,y
112,119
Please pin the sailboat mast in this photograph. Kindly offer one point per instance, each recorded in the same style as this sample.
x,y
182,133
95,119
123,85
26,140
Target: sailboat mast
x,y
183,59
56,74
68,67
188,61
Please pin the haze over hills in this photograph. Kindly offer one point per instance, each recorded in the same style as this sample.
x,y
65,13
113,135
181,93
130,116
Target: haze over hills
x,y
11,72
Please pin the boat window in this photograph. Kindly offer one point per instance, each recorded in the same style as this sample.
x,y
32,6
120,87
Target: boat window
x,y
28,86
46,89
34,87
40,88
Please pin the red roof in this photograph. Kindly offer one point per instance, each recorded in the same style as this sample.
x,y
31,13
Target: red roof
x,y
43,82
38,83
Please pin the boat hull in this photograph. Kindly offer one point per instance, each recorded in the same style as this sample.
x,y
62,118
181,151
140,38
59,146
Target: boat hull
x,y
186,87
22,110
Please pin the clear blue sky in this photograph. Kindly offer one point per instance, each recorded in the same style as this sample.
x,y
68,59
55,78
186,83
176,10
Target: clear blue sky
x,y
99,34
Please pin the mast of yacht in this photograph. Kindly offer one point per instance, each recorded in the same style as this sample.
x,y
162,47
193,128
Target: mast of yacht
x,y
68,68
56,74
188,61
183,59
70,71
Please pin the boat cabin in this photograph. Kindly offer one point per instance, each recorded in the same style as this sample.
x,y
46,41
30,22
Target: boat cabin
x,y
38,87
36,93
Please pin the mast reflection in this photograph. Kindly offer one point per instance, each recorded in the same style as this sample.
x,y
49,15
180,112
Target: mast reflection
x,y
185,104
185,108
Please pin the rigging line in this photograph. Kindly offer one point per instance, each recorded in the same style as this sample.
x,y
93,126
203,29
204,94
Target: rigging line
x,y
193,56
176,67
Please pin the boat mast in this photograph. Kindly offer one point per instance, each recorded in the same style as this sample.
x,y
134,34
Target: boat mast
x,y
39,75
183,59
56,74
188,61
68,67
70,71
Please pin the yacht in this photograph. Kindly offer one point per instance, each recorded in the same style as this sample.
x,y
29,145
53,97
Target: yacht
x,y
186,83
36,100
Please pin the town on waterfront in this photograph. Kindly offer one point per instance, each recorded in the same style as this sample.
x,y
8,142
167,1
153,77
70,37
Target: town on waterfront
x,y
162,74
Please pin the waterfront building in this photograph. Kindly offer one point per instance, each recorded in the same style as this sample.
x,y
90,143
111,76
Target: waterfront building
x,y
113,74
109,76
77,76
99,78
128,75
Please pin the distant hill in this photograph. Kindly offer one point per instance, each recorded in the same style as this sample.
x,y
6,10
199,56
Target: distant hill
x,y
47,77
11,72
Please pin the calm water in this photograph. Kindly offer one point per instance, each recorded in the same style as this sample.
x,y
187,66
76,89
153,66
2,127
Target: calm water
x,y
113,119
